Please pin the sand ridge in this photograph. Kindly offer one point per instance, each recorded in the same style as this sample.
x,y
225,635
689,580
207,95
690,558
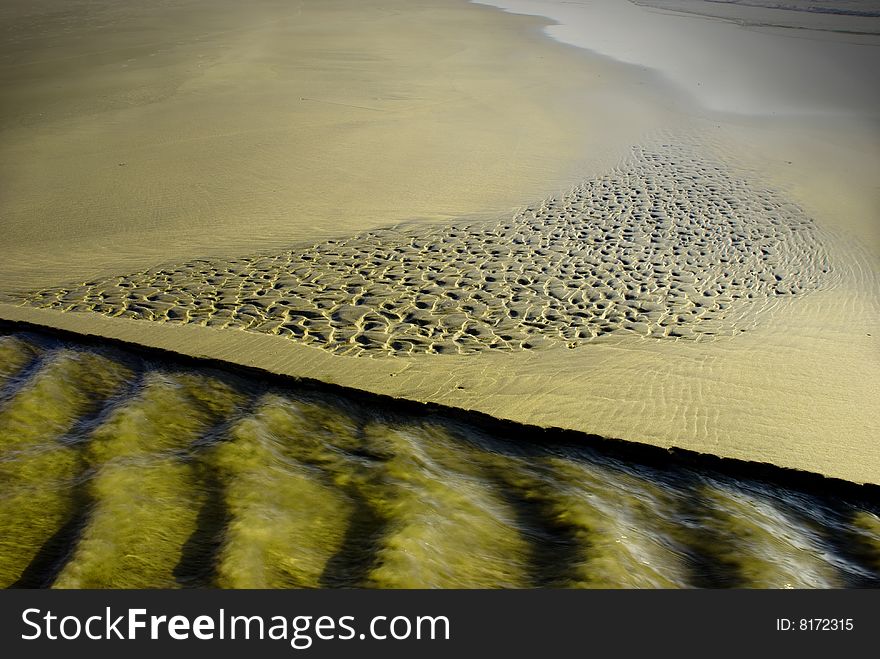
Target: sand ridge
x,y
671,244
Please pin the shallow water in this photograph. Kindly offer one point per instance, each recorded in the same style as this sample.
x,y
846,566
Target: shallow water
x,y
126,469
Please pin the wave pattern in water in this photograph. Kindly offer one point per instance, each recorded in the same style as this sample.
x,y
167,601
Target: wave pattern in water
x,y
121,469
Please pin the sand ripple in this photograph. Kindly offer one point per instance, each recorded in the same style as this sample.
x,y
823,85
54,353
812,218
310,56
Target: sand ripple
x,y
672,244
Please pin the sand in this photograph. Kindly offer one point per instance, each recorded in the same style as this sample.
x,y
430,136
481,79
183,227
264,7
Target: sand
x,y
121,123
670,244
704,281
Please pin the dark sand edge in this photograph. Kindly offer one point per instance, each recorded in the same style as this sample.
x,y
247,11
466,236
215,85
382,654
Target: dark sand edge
x,y
218,352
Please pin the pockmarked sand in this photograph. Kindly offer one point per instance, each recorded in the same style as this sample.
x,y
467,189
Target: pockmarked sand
x,y
767,356
670,244
698,286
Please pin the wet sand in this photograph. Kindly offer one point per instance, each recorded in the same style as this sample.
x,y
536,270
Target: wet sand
x,y
671,244
703,280
755,58
132,134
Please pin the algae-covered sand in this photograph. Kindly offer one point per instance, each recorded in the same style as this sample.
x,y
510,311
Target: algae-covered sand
x,y
435,201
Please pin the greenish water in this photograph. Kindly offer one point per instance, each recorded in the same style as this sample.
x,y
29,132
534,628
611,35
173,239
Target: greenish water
x,y
121,469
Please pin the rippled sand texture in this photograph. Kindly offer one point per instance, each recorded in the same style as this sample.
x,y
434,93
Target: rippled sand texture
x,y
124,472
671,244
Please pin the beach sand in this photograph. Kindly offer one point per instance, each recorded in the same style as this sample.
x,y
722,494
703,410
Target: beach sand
x,y
134,134
511,225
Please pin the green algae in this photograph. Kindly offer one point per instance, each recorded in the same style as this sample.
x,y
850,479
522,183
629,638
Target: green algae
x,y
295,472
623,525
447,527
316,434
286,519
765,547
619,530
866,526
67,387
146,493
307,490
39,472
15,354
35,504
170,412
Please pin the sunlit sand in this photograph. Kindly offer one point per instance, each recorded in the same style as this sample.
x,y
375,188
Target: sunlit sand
x,y
438,201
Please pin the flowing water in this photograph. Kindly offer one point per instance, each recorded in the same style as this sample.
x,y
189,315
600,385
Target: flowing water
x,y
127,469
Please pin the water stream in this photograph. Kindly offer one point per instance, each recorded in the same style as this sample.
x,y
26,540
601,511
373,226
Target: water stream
x,y
128,469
